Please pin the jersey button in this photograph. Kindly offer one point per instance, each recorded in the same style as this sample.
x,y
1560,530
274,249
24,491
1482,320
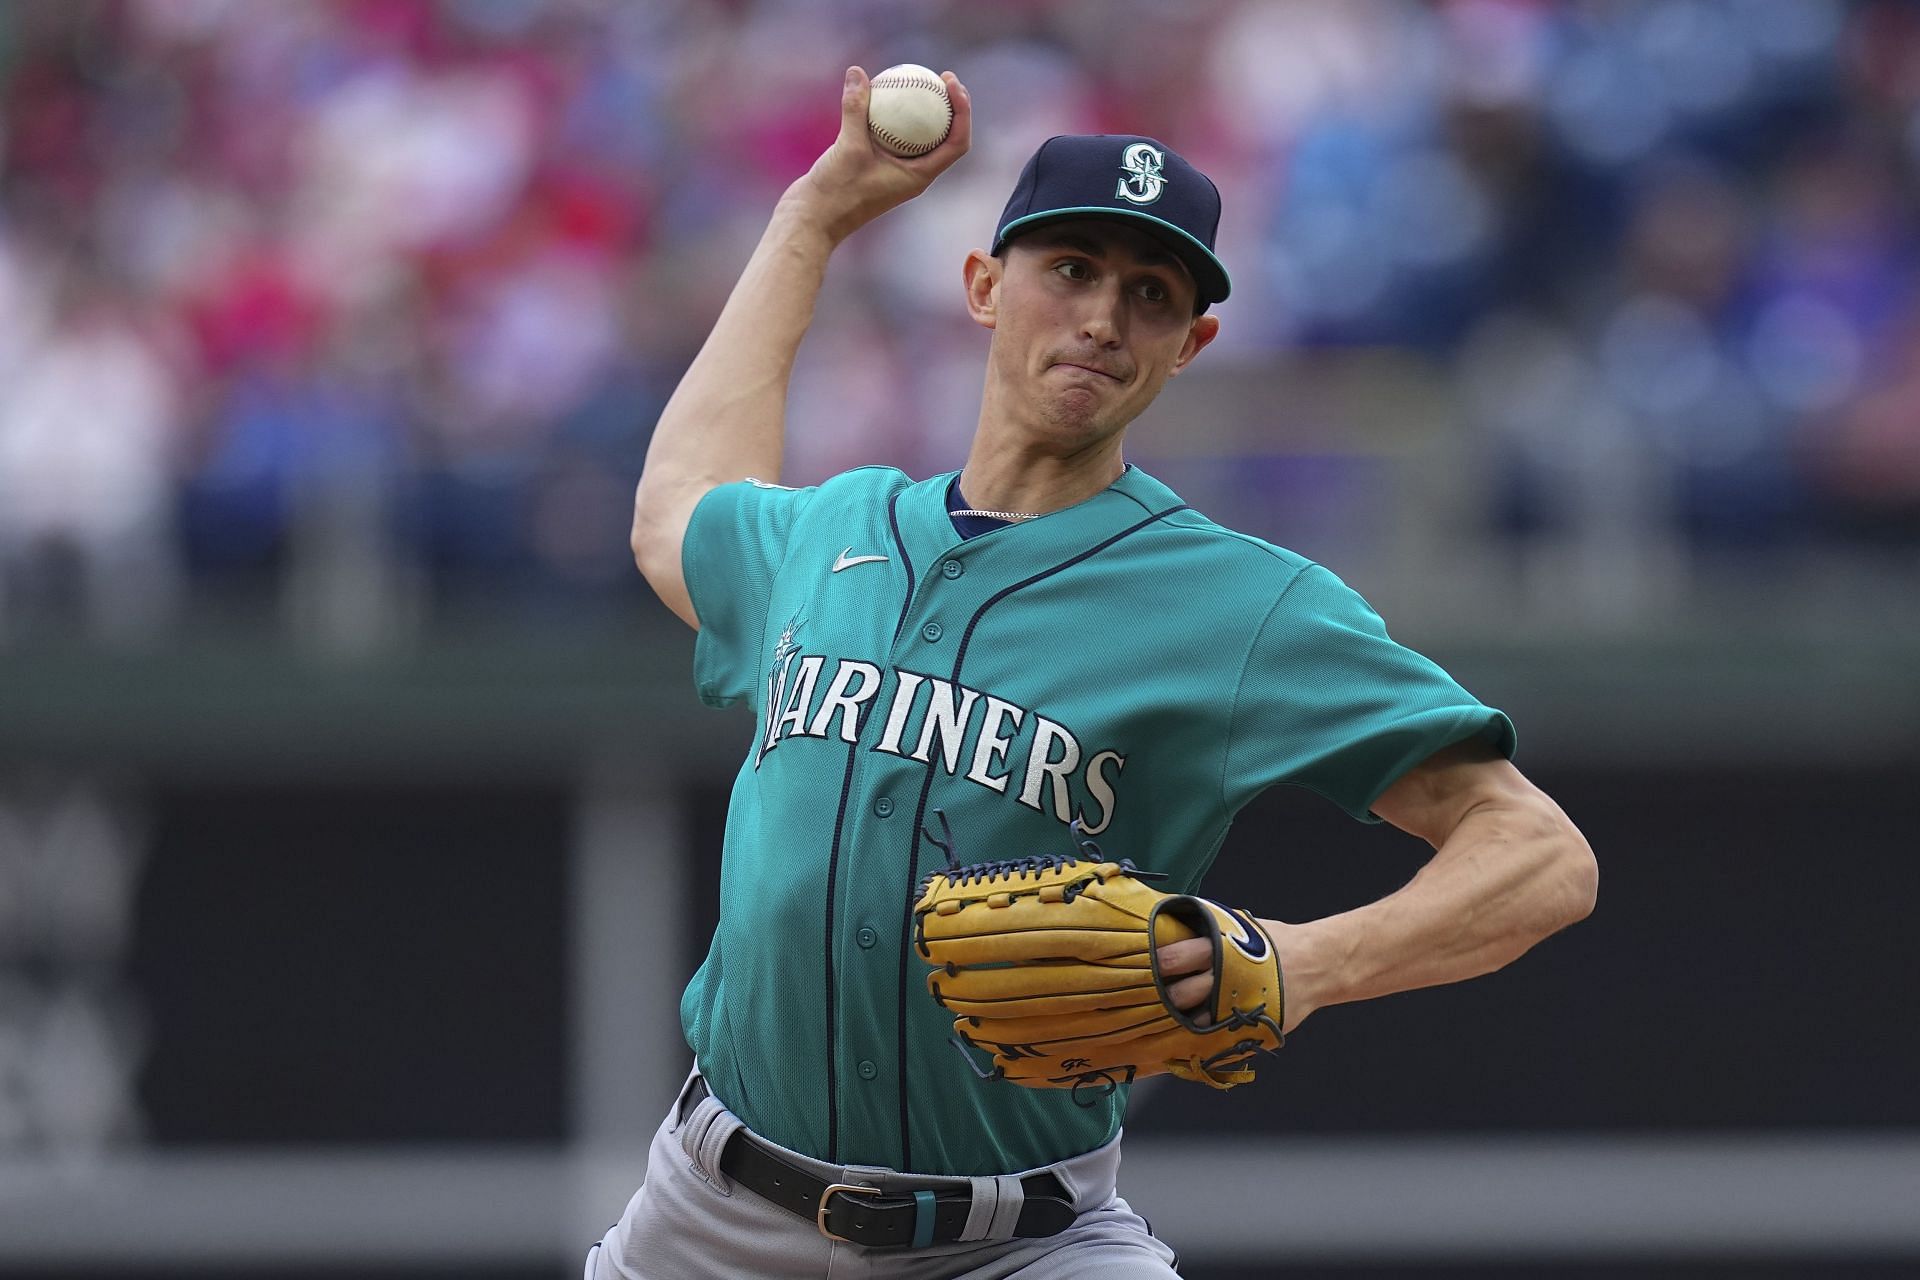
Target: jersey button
x,y
867,1070
953,568
866,937
931,631
883,807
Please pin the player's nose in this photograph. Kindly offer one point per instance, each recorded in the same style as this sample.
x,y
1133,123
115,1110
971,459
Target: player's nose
x,y
1103,322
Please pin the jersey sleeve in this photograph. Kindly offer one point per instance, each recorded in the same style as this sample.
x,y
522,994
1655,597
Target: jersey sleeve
x,y
735,542
1329,701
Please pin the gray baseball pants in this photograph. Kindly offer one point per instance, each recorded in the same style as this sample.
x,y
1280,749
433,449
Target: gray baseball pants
x,y
689,1221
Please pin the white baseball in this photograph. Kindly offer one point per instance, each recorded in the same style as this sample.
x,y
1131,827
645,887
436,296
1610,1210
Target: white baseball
x,y
908,111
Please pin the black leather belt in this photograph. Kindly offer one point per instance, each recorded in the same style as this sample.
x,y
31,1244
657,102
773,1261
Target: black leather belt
x,y
879,1220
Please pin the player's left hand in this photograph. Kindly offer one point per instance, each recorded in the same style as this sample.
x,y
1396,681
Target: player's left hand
x,y
1189,956
1193,958
1046,962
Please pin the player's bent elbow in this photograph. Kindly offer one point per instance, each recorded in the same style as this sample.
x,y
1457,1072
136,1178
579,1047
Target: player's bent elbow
x,y
659,525
640,536
655,543
1579,878
1565,872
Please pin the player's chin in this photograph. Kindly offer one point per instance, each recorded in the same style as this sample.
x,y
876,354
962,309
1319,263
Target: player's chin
x,y
1088,406
1075,424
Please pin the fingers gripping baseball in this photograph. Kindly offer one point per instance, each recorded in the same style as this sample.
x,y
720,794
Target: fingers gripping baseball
x,y
856,179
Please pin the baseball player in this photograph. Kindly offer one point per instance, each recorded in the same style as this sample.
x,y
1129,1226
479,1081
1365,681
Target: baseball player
x,y
1046,652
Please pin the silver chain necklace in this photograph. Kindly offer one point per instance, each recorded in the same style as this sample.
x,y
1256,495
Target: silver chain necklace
x,y
1013,516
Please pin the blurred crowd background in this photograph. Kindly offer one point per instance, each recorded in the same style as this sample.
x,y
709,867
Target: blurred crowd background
x,y
361,310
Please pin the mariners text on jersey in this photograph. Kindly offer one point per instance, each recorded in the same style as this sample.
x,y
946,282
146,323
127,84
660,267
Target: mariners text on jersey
x,y
975,734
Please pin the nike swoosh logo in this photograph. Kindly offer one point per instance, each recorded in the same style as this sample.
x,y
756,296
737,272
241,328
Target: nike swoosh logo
x,y
846,560
1251,943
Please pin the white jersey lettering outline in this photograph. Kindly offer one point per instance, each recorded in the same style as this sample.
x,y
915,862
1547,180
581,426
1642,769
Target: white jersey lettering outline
x,y
847,704
946,720
957,717
799,697
903,696
1040,763
991,745
1101,790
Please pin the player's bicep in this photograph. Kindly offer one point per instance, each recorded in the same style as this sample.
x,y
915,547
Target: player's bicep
x,y
1430,799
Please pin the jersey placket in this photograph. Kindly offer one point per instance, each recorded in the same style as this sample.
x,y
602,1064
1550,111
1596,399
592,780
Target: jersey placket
x,y
882,861
888,784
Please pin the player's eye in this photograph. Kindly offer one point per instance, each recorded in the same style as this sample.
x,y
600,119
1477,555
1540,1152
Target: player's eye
x,y
1074,269
1153,291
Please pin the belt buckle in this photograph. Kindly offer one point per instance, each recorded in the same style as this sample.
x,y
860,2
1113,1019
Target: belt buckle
x,y
820,1214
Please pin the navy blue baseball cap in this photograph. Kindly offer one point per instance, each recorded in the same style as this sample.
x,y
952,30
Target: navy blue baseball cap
x,y
1124,176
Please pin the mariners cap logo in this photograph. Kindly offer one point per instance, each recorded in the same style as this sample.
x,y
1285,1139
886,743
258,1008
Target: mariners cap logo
x,y
1142,163
1069,177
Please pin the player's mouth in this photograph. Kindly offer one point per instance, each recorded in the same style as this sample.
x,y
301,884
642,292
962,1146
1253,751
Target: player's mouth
x,y
1088,368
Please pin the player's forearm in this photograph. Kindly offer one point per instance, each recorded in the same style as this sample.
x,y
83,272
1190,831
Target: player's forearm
x,y
726,419
1513,871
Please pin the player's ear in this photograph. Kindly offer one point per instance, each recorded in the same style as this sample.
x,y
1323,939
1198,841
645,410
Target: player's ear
x,y
1203,330
982,275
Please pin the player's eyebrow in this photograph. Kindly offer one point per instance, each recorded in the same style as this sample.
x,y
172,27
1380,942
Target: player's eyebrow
x,y
1146,257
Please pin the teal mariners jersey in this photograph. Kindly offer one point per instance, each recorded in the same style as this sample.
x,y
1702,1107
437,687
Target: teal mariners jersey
x,y
1125,662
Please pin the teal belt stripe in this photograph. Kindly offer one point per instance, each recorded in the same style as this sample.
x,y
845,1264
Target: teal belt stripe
x,y
922,1219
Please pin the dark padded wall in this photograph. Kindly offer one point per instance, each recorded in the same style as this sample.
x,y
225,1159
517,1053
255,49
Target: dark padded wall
x,y
365,964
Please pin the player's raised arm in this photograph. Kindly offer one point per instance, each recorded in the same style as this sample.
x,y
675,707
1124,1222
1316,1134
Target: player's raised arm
x,y
725,421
